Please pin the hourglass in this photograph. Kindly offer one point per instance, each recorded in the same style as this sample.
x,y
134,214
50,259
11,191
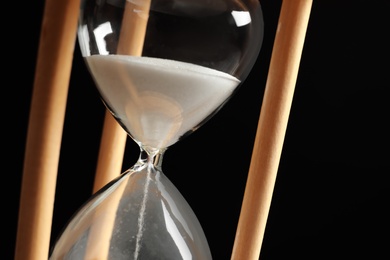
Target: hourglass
x,y
162,68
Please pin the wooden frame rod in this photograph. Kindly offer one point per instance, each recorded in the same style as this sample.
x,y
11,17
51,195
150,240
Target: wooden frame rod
x,y
113,141
272,125
47,114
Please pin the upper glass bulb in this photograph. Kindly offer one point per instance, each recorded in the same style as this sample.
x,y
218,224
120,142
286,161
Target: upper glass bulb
x,y
163,67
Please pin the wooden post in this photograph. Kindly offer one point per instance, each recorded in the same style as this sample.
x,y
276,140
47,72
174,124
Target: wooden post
x,y
131,42
278,95
47,114
113,140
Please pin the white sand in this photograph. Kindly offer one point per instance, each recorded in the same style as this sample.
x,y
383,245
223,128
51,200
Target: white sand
x,y
159,100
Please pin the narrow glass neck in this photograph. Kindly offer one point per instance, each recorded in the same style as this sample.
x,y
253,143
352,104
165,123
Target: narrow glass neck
x,y
151,157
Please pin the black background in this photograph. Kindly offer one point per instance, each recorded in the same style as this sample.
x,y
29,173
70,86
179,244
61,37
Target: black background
x,y
331,195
